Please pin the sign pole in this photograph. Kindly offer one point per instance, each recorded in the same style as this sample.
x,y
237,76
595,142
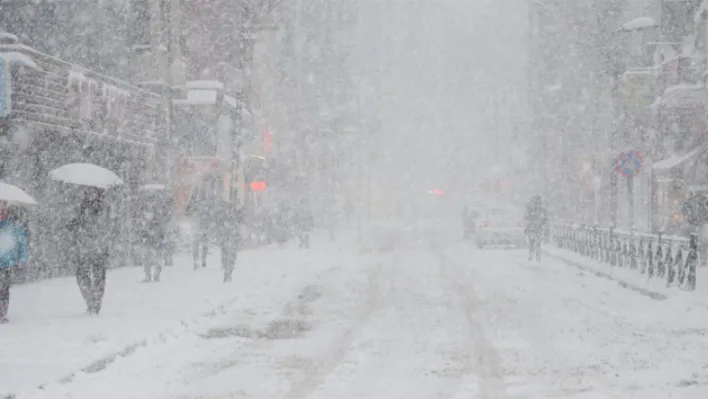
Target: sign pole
x,y
630,199
628,164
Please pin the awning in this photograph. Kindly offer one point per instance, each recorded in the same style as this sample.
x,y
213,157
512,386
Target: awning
x,y
677,160
640,23
684,95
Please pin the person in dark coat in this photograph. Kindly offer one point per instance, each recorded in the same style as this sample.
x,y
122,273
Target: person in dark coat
x,y
228,228
90,245
14,253
466,231
536,219
303,225
201,210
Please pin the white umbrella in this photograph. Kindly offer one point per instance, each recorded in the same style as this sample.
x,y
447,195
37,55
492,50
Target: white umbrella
x,y
86,174
11,193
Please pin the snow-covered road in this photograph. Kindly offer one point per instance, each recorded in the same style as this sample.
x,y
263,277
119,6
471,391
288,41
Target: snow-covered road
x,y
419,314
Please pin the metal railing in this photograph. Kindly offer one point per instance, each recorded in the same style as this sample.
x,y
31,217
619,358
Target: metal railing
x,y
668,257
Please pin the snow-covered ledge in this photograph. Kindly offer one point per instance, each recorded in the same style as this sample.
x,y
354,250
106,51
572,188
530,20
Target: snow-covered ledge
x,y
15,58
640,23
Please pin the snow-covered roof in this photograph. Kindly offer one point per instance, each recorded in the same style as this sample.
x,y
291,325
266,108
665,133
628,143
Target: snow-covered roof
x,y
19,58
640,23
205,84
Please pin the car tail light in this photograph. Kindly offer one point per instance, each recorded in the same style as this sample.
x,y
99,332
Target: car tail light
x,y
483,224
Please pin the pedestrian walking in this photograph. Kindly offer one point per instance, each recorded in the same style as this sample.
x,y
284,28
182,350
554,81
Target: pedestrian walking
x,y
154,232
14,253
331,217
303,225
229,224
90,247
201,210
536,219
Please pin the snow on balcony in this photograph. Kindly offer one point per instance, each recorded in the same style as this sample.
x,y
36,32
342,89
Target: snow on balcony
x,y
20,59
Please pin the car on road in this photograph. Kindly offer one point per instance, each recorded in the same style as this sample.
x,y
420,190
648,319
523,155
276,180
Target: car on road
x,y
502,225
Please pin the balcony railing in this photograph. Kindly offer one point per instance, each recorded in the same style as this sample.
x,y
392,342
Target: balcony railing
x,y
63,97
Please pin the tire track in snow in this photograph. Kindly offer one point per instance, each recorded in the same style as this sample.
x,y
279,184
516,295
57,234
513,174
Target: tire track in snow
x,y
342,345
486,360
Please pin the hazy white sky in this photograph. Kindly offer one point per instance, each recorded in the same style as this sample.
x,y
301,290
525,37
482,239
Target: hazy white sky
x,y
447,61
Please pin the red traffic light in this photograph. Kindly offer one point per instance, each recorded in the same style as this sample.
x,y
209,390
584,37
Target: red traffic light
x,y
438,192
258,186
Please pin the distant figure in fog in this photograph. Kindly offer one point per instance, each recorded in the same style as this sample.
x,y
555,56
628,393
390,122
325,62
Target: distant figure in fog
x,y
331,219
155,234
201,209
303,224
90,246
348,210
228,227
466,231
536,219
14,253
280,223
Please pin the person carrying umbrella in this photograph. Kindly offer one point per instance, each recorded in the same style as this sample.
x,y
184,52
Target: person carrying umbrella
x,y
14,253
91,252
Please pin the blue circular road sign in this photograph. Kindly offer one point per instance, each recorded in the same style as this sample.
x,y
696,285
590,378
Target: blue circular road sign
x,y
629,163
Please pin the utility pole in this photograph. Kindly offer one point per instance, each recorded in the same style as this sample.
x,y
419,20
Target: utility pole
x,y
359,150
496,128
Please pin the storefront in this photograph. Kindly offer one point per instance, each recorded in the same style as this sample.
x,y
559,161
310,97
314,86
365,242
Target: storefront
x,y
209,129
680,146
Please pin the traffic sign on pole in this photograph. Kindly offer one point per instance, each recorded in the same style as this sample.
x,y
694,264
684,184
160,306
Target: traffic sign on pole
x,y
628,164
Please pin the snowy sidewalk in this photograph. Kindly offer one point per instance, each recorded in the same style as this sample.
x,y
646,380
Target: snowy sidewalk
x,y
50,337
633,279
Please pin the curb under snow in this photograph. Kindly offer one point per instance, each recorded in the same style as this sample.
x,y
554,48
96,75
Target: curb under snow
x,y
555,254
